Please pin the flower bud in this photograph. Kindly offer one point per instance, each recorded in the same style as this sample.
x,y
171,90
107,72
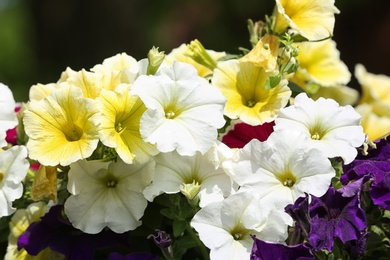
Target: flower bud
x,y
155,59
198,53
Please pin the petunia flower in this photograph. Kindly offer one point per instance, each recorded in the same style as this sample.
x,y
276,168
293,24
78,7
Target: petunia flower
x,y
40,91
240,134
333,129
333,215
122,65
179,54
244,86
62,127
183,110
107,195
374,167
12,134
89,82
195,175
343,95
319,63
375,87
120,122
20,221
265,53
375,119
313,19
282,168
55,232
13,169
8,119
232,222
263,250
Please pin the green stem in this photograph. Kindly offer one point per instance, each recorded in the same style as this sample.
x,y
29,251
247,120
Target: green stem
x,y
201,246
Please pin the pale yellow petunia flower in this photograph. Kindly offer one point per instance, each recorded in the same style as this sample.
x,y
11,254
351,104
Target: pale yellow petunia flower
x,y
375,87
120,122
313,19
178,54
374,105
40,91
265,53
61,128
375,120
243,85
125,65
319,63
343,95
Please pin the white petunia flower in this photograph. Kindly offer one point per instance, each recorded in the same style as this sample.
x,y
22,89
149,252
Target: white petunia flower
x,y
8,119
226,226
107,195
283,168
333,129
183,110
13,169
195,174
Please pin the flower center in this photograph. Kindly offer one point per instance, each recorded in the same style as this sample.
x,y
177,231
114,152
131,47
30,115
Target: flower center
x,y
111,183
287,179
73,133
250,103
1,177
171,111
170,114
119,128
316,132
239,232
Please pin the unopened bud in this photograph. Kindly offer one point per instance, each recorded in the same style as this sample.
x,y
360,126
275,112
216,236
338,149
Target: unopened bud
x,y
155,59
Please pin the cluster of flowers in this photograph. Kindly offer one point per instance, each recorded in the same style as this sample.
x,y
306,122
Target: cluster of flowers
x,y
200,154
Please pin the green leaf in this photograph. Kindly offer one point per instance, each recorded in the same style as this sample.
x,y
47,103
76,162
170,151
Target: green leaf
x,y
273,81
168,213
290,67
178,227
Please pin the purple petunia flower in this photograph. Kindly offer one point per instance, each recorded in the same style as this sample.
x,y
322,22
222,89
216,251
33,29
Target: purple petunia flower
x,y
264,251
242,133
329,217
375,167
56,232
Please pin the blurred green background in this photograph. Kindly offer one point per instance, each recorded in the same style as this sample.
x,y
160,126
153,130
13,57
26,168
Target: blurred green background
x,y
40,38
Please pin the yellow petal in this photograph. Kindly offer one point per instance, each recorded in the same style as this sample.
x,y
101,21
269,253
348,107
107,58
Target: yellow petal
x,y
45,184
313,19
375,87
374,125
178,54
319,62
40,91
265,53
88,82
243,85
61,128
120,122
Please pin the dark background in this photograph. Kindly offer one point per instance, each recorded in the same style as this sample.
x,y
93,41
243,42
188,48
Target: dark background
x,y
40,38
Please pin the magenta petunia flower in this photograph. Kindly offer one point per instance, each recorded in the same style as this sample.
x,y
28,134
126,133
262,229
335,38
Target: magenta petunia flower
x,y
241,133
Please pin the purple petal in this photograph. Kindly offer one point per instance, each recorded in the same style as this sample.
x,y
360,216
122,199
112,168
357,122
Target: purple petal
x,y
265,250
